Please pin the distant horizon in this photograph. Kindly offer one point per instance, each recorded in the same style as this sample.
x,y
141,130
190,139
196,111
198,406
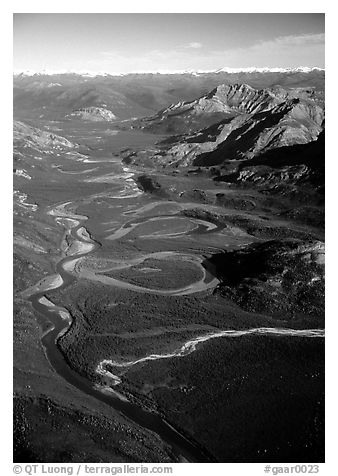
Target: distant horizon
x,y
224,69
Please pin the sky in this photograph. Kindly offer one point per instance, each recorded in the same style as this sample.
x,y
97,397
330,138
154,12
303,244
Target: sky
x,y
124,43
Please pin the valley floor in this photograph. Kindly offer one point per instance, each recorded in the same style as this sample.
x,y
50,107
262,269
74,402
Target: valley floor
x,y
125,276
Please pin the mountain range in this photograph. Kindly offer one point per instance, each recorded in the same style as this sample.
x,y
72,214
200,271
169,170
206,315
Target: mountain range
x,y
232,126
226,69
139,95
238,124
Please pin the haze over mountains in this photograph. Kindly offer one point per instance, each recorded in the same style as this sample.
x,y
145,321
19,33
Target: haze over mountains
x,y
222,120
253,69
139,95
237,122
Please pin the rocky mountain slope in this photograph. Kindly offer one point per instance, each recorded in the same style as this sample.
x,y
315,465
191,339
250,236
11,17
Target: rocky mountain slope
x,y
137,95
225,102
255,123
95,114
300,163
34,150
31,137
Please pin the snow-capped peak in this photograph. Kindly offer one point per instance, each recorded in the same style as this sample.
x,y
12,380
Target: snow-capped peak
x,y
226,69
253,69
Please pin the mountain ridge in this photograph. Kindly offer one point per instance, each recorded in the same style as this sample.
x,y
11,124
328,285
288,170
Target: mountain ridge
x,y
253,123
230,70
225,102
137,95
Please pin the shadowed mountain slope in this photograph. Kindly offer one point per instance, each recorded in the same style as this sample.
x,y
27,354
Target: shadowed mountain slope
x,y
137,95
254,123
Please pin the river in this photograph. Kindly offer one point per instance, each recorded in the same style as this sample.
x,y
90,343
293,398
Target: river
x,y
83,244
